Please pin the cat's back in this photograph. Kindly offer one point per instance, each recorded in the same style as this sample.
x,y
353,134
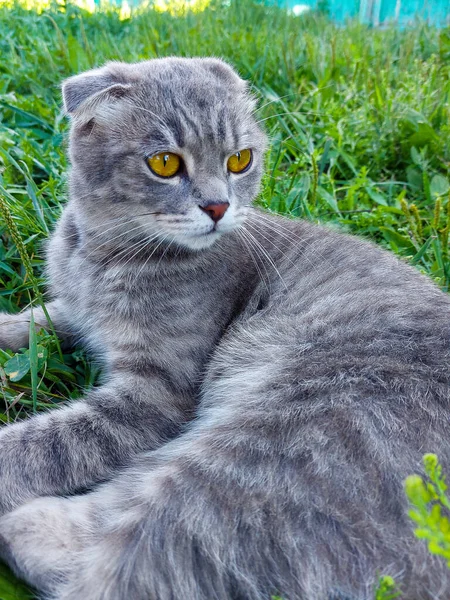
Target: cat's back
x,y
316,270
348,339
351,320
344,371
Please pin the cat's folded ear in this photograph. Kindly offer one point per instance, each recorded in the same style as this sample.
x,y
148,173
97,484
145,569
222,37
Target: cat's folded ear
x,y
224,71
82,93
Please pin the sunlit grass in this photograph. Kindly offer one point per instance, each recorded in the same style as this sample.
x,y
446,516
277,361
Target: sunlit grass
x,y
123,7
178,7
39,6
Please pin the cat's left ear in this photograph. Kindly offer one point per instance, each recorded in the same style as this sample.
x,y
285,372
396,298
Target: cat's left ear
x,y
94,87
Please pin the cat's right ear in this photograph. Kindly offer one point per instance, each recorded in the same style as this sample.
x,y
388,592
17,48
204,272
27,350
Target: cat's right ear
x,y
87,90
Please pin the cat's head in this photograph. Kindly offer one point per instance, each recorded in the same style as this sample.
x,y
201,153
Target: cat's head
x,y
171,145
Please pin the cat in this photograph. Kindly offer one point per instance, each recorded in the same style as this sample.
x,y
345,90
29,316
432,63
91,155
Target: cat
x,y
268,382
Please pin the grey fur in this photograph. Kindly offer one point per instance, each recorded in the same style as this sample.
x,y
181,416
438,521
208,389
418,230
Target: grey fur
x,y
315,365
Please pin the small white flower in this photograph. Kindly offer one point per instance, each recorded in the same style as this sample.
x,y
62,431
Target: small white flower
x,y
300,9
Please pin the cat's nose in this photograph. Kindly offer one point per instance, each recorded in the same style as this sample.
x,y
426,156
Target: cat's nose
x,y
215,211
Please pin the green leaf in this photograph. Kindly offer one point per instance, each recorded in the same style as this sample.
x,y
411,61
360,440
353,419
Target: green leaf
x,y
422,534
422,251
414,177
7,268
435,548
415,156
17,367
423,136
11,588
400,241
439,185
4,356
376,196
29,116
329,199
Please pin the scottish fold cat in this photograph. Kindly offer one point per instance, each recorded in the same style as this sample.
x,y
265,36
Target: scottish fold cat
x,y
268,383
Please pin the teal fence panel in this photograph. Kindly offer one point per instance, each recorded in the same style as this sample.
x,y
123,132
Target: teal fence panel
x,y
378,12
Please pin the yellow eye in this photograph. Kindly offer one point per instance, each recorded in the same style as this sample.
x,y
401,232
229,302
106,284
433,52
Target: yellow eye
x,y
240,161
165,164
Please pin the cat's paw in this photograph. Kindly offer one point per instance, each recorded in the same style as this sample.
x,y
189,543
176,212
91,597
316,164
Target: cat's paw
x,y
72,548
42,539
14,331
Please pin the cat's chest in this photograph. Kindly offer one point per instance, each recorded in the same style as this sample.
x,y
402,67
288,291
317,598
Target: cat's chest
x,y
151,298
181,317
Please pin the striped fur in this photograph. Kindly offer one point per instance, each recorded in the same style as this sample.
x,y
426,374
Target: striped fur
x,y
268,384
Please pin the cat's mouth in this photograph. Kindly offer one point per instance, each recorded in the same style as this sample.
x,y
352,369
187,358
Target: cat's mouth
x,y
214,231
199,240
196,233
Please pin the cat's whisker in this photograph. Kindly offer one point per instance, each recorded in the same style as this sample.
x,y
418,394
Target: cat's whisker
x,y
288,235
165,251
261,220
260,216
277,100
119,220
291,113
314,268
175,227
242,237
128,255
174,219
59,208
282,232
305,97
103,231
257,248
141,245
116,237
111,241
305,113
267,255
161,241
259,232
126,251
260,228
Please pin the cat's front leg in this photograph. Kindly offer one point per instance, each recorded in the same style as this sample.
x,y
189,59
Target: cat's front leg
x,y
15,328
77,547
76,446
42,539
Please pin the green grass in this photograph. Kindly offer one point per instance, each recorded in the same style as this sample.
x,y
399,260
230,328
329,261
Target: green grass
x,y
359,121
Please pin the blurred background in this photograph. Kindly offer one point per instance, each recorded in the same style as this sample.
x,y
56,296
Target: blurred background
x,y
379,12
374,12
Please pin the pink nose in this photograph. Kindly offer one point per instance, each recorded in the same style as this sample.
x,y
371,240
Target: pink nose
x,y
215,211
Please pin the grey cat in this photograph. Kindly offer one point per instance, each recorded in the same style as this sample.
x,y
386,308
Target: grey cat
x,y
268,383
